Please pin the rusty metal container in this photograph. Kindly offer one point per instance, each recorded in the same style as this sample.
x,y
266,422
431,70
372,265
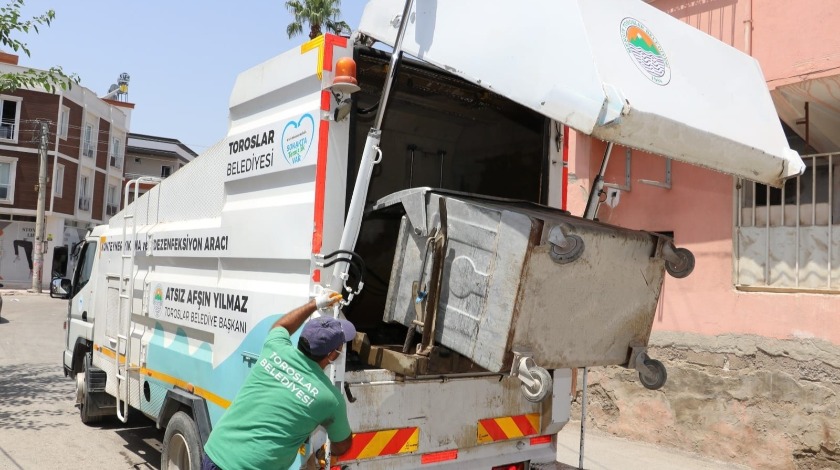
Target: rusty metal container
x,y
498,277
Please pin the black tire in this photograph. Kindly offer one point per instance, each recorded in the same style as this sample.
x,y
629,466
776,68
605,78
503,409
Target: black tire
x,y
543,387
660,375
85,404
684,267
181,444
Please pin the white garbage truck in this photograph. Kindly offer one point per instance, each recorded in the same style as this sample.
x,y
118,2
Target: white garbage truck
x,y
417,166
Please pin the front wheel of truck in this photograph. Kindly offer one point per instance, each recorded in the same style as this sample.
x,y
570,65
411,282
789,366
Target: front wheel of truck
x,y
83,398
181,445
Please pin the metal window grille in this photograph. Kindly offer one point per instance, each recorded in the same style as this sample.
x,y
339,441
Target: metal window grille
x,y
785,237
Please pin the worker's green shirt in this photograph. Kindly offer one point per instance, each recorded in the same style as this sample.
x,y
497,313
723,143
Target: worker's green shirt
x,y
285,397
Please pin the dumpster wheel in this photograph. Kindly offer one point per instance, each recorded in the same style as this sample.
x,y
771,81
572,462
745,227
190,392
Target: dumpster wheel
x,y
565,248
683,267
655,375
542,385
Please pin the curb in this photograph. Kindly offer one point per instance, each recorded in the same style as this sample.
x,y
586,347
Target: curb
x,y
21,292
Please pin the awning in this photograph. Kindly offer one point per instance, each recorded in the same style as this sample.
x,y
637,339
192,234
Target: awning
x,y
619,70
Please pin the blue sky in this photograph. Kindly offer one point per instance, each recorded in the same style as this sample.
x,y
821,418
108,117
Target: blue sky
x,y
182,55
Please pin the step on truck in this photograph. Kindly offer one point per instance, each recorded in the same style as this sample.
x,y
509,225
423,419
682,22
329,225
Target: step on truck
x,y
418,167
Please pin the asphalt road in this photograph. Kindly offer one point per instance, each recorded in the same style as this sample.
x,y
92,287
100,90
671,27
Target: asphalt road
x,y
40,426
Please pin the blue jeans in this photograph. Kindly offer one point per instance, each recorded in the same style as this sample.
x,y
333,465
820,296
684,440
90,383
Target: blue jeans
x,y
207,464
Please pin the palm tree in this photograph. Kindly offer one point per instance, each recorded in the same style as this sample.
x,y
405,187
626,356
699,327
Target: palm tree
x,y
316,13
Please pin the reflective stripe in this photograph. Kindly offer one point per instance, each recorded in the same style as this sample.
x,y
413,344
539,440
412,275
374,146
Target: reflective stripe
x,y
386,442
507,427
204,393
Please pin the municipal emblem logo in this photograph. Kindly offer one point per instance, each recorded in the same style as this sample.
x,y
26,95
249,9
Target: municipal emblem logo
x,y
157,300
645,51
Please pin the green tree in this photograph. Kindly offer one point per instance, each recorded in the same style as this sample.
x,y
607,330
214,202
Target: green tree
x,y
11,23
317,14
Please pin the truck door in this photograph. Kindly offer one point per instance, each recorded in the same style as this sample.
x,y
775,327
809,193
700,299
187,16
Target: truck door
x,y
80,311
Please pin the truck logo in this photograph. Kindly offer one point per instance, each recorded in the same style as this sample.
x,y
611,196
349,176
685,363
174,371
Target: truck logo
x,y
297,139
157,301
645,51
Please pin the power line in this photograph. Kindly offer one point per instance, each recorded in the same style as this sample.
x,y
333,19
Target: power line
x,y
99,131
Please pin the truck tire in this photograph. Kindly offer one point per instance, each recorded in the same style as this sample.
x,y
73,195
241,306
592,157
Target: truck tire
x,y
181,445
84,399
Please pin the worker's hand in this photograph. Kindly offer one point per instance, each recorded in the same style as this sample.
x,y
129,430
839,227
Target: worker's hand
x,y
327,299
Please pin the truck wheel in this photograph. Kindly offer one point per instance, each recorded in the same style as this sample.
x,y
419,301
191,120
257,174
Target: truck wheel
x,y
541,389
181,446
83,398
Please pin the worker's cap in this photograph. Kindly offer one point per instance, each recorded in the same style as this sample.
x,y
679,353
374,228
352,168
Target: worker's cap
x,y
326,334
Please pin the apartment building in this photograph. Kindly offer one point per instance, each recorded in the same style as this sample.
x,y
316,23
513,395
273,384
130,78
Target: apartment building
x,y
86,147
154,157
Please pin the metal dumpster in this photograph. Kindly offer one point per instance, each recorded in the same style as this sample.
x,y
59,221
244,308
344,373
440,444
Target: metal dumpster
x,y
502,282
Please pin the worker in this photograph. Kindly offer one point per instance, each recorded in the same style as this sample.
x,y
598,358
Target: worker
x,y
286,396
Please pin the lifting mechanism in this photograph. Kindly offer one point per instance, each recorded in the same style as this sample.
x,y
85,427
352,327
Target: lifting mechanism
x,y
371,155
566,247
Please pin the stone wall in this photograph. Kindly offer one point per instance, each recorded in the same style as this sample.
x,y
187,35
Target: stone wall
x,y
765,403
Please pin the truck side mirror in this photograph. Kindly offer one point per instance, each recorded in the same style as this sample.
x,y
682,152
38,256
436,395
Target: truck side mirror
x,y
60,288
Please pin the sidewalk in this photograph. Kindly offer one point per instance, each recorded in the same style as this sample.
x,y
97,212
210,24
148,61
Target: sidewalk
x,y
606,452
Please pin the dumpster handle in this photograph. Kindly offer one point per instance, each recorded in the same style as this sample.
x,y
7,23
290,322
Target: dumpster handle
x,y
431,302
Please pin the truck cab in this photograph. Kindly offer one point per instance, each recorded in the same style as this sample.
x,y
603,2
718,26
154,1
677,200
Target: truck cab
x,y
81,308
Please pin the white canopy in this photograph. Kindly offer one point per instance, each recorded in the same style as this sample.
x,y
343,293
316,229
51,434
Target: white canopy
x,y
619,70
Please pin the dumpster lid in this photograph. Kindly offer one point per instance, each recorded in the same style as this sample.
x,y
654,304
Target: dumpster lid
x,y
619,70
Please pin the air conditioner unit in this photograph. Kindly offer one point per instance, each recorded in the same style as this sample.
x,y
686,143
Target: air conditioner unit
x,y
110,209
84,203
116,162
89,153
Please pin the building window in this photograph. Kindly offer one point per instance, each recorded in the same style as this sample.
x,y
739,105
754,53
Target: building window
x,y
9,117
8,167
84,193
63,122
88,140
116,153
58,184
112,202
165,170
785,236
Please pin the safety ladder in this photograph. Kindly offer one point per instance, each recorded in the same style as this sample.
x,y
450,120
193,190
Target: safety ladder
x,y
126,301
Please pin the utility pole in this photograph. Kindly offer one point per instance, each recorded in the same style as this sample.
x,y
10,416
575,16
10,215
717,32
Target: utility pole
x,y
38,256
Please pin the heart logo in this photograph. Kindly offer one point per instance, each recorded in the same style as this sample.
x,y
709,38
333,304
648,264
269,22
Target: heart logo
x,y
297,139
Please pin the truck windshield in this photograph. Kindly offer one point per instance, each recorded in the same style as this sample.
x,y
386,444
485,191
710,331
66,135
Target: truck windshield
x,y
85,266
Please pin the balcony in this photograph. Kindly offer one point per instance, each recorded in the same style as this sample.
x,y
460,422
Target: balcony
x,y
84,203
